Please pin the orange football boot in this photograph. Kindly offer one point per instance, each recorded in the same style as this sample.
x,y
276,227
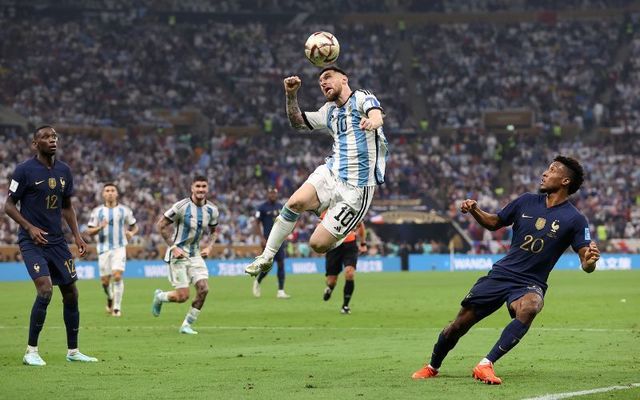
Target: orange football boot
x,y
425,372
484,373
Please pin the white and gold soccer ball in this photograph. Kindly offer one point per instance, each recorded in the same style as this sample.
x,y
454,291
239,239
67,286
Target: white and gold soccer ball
x,y
322,49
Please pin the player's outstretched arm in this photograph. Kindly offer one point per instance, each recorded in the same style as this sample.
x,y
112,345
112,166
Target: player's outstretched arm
x,y
589,256
291,86
69,215
488,221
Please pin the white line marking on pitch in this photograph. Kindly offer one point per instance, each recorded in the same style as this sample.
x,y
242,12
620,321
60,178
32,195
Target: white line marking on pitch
x,y
330,328
559,396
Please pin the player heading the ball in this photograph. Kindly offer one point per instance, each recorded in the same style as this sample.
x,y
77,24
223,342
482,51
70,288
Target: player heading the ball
x,y
345,184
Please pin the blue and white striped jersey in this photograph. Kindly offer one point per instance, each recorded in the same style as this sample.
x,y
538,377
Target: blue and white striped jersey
x,y
359,157
191,222
118,218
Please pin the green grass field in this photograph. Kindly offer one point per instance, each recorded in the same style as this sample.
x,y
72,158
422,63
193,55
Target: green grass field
x,y
587,337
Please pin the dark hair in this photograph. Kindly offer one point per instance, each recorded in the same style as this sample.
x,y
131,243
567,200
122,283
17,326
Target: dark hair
x,y
199,178
333,68
38,129
109,184
576,173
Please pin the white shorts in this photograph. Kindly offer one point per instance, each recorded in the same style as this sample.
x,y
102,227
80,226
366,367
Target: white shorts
x,y
183,271
346,204
112,260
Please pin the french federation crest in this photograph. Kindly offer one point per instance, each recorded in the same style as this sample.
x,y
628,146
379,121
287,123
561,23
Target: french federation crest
x,y
62,182
52,183
540,223
36,267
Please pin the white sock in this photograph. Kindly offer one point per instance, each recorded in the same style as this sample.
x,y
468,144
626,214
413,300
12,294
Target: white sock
x,y
484,361
110,289
191,317
71,352
163,297
32,349
281,229
118,290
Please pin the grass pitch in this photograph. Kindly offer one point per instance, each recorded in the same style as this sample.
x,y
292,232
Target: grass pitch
x,y
588,336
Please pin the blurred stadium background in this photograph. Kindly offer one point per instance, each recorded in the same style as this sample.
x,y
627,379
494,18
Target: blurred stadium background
x,y
479,96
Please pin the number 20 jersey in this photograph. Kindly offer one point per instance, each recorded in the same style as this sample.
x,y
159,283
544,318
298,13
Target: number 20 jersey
x,y
540,236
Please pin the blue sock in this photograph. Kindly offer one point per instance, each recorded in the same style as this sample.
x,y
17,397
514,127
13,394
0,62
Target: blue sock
x,y
71,315
510,337
280,275
440,350
38,315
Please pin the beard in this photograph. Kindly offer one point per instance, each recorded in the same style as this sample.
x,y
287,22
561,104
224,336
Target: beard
x,y
334,95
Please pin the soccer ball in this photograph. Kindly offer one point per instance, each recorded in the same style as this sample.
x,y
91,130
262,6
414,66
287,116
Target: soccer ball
x,y
322,49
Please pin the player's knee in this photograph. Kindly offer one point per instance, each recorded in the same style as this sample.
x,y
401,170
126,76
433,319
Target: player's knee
x,y
45,293
203,292
349,273
332,280
296,204
529,310
318,248
105,280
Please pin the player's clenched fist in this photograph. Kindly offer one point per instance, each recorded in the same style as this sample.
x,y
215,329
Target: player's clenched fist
x,y
292,84
468,205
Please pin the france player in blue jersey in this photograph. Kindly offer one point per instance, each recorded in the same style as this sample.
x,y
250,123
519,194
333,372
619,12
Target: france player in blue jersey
x,y
544,226
265,216
43,187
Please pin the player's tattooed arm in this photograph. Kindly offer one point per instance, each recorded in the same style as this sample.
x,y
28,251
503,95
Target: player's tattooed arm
x,y
293,112
291,86
208,250
164,229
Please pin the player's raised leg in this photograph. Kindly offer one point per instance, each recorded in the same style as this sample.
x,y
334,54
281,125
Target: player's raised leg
x,y
447,340
180,295
108,291
305,198
525,309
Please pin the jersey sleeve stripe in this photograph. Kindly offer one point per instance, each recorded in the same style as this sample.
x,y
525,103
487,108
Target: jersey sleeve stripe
x,y
306,121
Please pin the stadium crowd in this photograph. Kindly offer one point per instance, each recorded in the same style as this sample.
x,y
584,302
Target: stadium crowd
x,y
87,72
438,170
91,73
